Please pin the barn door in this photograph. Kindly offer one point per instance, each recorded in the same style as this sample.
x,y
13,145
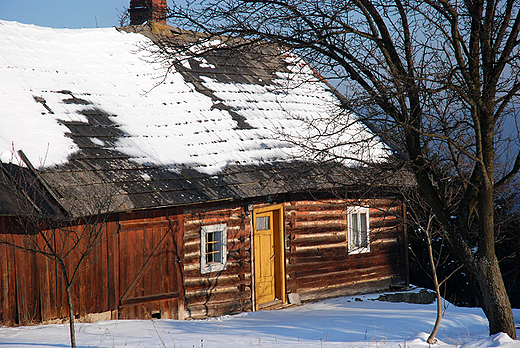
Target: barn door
x,y
150,283
269,258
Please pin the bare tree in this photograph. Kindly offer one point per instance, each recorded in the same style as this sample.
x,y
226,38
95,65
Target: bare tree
x,y
441,78
425,227
123,17
40,225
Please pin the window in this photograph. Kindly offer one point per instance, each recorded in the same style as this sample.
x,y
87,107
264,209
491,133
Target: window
x,y
358,230
263,223
213,248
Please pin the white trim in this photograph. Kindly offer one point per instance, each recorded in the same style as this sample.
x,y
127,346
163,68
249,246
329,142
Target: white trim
x,y
363,237
219,266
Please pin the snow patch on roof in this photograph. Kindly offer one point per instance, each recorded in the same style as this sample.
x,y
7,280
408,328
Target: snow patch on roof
x,y
51,77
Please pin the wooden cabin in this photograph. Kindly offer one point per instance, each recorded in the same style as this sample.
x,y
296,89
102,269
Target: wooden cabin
x,y
205,211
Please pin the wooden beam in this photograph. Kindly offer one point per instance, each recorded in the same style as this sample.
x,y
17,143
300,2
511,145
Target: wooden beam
x,y
149,298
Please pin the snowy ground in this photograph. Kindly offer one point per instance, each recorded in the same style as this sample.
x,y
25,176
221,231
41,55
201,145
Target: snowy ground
x,y
341,322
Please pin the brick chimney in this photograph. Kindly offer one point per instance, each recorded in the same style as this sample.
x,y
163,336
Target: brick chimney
x,y
147,10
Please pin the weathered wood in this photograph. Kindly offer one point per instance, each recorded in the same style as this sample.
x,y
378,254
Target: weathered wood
x,y
231,268
149,298
217,309
166,307
47,300
113,268
192,221
155,274
42,297
393,209
310,206
220,290
210,211
384,223
388,246
317,254
192,228
150,263
303,270
214,296
344,277
145,259
7,281
349,289
235,253
202,283
127,226
332,238
325,215
322,228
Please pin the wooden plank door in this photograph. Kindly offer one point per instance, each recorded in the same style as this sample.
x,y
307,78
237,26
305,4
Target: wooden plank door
x,y
150,282
264,258
269,256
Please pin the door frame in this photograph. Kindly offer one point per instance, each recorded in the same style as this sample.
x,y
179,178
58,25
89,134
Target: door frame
x,y
279,250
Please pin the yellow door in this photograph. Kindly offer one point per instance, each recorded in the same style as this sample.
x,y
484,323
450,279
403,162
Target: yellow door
x,y
264,257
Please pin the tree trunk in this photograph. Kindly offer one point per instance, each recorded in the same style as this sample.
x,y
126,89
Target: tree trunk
x,y
68,285
435,329
484,267
71,317
496,303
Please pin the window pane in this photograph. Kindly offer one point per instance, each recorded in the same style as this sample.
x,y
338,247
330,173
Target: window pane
x,y
355,230
217,249
363,229
213,252
263,223
209,247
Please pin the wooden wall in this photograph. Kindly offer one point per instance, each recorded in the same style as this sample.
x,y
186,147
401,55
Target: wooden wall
x,y
150,255
149,264
32,286
227,291
134,272
318,264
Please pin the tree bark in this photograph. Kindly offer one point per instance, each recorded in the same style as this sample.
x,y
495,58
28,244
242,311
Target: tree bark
x,y
71,317
435,329
496,303
68,285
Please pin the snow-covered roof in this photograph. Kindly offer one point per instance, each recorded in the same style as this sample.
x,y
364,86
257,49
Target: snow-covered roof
x,y
93,107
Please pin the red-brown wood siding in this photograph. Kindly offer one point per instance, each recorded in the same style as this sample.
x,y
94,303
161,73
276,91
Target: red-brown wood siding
x,y
149,278
227,291
135,272
318,263
149,263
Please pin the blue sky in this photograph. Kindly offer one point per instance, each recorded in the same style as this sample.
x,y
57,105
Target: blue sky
x,y
64,13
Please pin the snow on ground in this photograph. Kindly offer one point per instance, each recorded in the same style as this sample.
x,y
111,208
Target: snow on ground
x,y
340,322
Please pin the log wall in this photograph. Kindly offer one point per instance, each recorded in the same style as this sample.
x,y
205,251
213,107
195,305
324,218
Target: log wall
x,y
227,291
149,264
318,263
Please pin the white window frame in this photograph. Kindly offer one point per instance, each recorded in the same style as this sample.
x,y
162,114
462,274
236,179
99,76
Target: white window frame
x,y
206,267
363,245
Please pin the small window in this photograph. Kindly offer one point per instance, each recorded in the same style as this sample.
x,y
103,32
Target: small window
x,y
213,248
358,230
263,223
